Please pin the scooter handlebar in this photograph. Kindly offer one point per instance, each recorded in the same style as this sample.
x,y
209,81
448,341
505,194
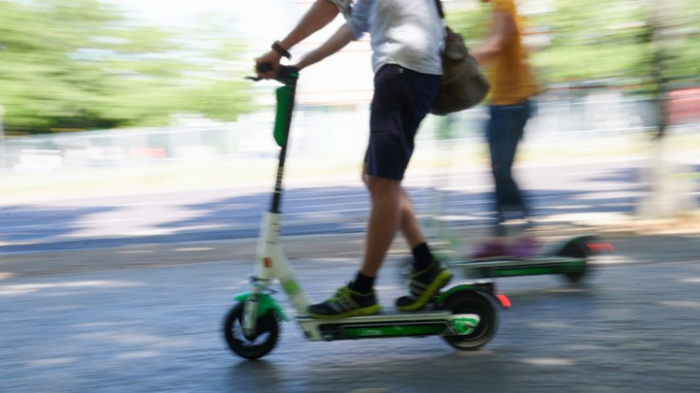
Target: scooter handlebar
x,y
285,74
263,67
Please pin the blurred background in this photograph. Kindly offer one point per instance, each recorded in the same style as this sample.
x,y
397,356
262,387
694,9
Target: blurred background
x,y
126,97
136,162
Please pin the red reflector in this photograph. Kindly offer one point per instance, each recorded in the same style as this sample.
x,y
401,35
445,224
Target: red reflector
x,y
600,247
505,302
267,262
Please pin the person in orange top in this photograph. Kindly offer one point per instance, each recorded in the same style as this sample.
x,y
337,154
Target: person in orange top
x,y
512,86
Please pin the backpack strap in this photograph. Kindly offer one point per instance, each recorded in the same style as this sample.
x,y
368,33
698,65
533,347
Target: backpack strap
x,y
438,4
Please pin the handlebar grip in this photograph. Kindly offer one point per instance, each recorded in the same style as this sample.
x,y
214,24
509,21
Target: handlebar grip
x,y
285,74
264,67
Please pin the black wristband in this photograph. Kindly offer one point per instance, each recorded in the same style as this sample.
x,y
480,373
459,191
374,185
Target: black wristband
x,y
277,47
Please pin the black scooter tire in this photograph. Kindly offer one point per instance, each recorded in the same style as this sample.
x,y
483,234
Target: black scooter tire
x,y
576,250
246,347
472,302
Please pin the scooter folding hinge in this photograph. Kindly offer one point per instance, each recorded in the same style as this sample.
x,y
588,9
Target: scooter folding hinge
x,y
257,281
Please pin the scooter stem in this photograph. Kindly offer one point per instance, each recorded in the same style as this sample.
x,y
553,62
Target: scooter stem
x,y
271,262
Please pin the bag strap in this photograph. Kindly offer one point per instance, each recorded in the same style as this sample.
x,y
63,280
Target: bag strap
x,y
438,4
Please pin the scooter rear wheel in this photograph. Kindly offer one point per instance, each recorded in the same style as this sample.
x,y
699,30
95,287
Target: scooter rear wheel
x,y
264,340
471,302
576,250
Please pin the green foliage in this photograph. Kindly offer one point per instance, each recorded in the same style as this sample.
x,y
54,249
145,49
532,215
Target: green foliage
x,y
680,50
79,64
612,40
471,23
589,44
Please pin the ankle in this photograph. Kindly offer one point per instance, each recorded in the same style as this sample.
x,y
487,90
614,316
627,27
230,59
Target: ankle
x,y
362,284
422,256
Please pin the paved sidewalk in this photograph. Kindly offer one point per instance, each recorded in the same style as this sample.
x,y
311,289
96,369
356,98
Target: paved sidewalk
x,y
645,243
146,319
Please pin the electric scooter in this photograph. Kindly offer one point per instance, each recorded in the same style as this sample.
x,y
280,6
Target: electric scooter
x,y
568,257
465,315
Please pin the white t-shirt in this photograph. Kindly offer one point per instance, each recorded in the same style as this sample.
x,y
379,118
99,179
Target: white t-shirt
x,y
405,32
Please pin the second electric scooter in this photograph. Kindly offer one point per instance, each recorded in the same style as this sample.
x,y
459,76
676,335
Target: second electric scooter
x,y
568,257
465,315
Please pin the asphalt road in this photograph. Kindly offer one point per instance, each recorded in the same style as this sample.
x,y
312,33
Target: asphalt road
x,y
127,295
146,318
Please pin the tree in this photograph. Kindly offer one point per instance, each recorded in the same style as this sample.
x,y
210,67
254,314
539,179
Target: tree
x,y
614,41
648,47
80,64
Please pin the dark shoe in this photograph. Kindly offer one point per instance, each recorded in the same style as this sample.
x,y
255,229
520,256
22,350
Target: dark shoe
x,y
490,249
423,286
346,303
523,248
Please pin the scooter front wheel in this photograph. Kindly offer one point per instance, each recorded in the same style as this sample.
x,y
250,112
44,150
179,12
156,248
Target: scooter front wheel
x,y
266,335
472,302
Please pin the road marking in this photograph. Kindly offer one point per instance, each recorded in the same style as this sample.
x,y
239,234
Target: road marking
x,y
548,362
52,362
680,303
194,249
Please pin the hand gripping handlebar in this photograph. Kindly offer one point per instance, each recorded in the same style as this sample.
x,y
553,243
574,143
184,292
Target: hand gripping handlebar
x,y
287,75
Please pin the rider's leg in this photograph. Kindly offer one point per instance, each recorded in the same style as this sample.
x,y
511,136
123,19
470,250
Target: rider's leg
x,y
505,130
428,275
504,133
357,298
410,228
498,134
401,100
386,215
385,195
409,224
525,245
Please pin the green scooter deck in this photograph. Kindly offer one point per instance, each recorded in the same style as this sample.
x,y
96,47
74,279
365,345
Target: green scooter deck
x,y
512,267
393,324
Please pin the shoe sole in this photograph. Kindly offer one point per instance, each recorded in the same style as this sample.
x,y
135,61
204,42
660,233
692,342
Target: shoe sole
x,y
372,310
440,281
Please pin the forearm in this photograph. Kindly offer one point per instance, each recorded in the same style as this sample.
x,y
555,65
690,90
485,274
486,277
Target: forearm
x,y
503,31
486,53
319,15
337,42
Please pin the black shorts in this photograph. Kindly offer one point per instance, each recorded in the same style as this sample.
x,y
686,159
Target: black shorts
x,y
402,98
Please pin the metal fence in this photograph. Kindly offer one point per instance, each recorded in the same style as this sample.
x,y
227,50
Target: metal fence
x,y
317,131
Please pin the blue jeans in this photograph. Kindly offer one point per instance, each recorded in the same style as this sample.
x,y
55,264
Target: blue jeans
x,y
503,132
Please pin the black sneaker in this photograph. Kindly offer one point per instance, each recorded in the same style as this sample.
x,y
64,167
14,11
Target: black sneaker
x,y
423,286
346,303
